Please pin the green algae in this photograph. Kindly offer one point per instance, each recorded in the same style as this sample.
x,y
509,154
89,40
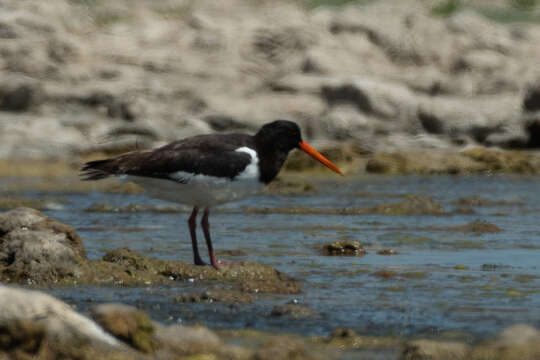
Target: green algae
x,y
416,275
525,278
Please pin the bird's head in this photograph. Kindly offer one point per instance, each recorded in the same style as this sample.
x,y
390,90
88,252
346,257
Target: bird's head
x,y
285,136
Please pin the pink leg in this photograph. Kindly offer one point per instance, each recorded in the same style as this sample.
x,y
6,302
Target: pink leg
x,y
192,227
206,230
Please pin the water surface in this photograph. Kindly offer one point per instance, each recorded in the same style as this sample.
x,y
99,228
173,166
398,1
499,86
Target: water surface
x,y
444,281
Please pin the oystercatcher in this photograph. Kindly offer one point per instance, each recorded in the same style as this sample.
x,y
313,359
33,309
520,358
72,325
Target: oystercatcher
x,y
207,170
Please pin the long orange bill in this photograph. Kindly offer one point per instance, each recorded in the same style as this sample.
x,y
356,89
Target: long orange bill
x,y
308,149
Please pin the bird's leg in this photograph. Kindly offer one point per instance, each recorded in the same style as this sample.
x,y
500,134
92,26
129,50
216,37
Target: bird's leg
x,y
206,230
192,227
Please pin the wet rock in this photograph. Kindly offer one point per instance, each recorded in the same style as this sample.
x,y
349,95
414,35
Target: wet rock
x,y
346,338
293,311
285,347
413,162
288,187
231,252
128,267
387,252
472,160
190,340
477,227
412,205
127,324
505,161
342,333
436,350
385,274
134,208
479,201
346,153
228,296
37,248
347,248
12,203
281,285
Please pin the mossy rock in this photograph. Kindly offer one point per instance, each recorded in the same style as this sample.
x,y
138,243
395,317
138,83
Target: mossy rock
x,y
344,248
127,324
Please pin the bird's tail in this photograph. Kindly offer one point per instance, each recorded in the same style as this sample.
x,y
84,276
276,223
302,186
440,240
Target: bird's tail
x,y
98,169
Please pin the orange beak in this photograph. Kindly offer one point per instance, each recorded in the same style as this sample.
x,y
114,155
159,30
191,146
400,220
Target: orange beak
x,y
305,147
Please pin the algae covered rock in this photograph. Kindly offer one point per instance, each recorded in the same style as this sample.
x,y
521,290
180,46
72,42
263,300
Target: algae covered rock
x,y
346,248
228,296
36,248
476,227
431,349
293,311
127,324
411,205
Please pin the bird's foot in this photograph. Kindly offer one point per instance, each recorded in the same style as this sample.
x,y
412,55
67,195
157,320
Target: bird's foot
x,y
217,264
199,262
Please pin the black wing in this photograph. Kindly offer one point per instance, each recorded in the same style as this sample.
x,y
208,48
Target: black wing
x,y
212,155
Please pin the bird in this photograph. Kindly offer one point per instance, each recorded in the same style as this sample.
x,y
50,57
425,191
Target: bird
x,y
208,170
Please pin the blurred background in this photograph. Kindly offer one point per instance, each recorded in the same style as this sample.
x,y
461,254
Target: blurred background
x,y
79,77
416,87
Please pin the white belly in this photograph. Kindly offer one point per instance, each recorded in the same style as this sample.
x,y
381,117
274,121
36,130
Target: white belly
x,y
200,190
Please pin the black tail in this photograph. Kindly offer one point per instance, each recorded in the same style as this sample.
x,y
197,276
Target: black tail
x,y
97,170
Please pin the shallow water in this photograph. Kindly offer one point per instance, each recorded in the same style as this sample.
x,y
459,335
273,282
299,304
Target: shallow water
x,y
446,282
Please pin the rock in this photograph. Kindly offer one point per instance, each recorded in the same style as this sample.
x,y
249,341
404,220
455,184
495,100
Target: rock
x,y
128,267
479,201
286,348
36,248
531,101
487,61
348,248
293,311
342,333
413,204
387,252
289,187
32,314
189,340
114,106
477,227
504,161
19,94
217,295
364,70
533,133
518,334
372,96
127,324
436,350
414,162
475,118
471,160
385,274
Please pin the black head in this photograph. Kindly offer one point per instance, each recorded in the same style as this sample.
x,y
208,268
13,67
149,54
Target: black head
x,y
281,135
